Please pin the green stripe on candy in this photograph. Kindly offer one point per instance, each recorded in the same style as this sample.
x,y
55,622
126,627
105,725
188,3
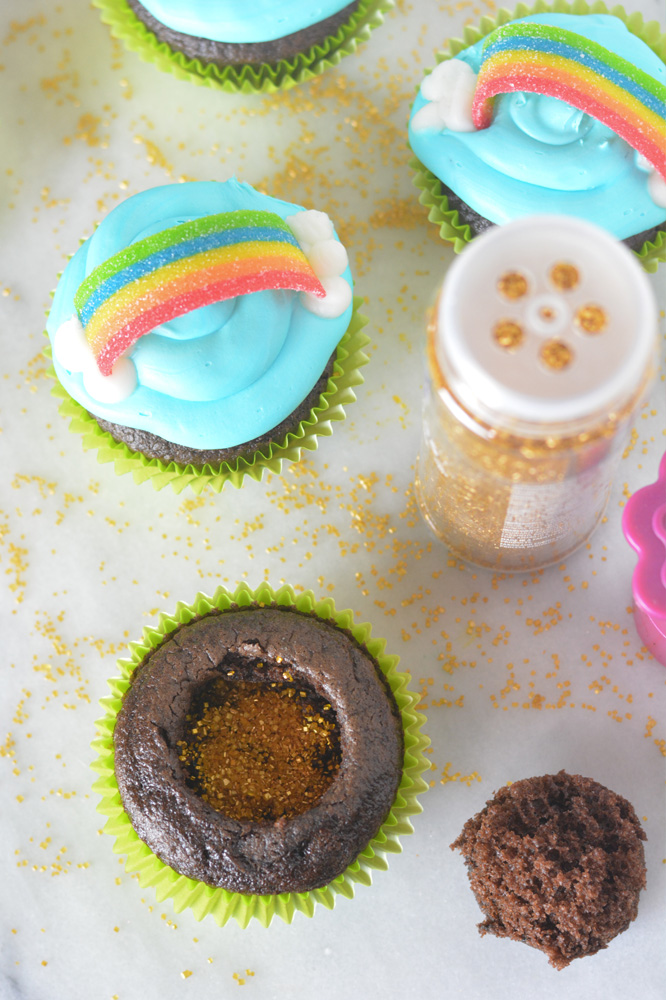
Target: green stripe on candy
x,y
171,237
583,44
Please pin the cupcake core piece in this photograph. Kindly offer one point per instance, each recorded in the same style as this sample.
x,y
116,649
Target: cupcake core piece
x,y
557,862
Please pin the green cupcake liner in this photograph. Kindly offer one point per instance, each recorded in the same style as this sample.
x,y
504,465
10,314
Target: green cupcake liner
x,y
219,903
268,458
265,78
451,228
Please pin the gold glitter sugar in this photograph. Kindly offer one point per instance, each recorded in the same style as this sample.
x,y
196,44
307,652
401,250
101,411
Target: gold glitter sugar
x,y
260,751
564,276
512,285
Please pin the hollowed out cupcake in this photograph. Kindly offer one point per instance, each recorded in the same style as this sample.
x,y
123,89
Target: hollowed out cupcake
x,y
260,754
234,45
547,111
205,332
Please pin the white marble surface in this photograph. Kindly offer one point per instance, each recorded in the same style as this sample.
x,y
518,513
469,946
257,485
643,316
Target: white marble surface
x,y
88,558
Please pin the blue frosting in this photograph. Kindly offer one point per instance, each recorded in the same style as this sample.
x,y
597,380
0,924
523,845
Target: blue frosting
x,y
541,155
240,21
225,373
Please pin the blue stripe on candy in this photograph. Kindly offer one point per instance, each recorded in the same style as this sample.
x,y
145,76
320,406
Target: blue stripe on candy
x,y
591,62
178,251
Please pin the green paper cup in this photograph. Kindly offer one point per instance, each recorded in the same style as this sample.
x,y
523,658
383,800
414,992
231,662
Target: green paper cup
x,y
219,903
451,228
339,392
247,79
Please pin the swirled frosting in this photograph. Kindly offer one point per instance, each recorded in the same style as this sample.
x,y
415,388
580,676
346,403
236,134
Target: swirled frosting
x,y
222,374
240,21
542,155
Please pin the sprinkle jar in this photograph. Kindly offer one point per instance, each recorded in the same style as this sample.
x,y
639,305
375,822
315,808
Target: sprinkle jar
x,y
540,348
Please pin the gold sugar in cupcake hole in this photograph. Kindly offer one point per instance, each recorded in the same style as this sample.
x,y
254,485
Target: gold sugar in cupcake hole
x,y
508,334
591,318
564,276
547,313
260,751
512,285
557,355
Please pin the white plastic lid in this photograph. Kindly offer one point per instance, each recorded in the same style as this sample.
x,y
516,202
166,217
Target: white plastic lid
x,y
546,320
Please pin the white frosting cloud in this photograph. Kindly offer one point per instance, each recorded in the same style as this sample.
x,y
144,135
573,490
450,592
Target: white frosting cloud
x,y
449,89
338,298
656,184
73,352
327,258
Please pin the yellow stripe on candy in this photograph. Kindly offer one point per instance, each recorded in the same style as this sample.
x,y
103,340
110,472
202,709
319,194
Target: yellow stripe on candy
x,y
177,278
512,64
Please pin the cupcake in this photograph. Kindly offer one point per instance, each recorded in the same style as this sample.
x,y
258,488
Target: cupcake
x,y
556,862
554,112
238,46
261,752
205,331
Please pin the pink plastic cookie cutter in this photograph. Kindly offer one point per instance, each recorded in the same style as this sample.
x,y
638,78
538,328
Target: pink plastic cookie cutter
x,y
644,526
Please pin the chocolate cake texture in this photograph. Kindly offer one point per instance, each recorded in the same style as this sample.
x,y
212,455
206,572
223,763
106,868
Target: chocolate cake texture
x,y
557,862
208,51
154,446
259,750
479,224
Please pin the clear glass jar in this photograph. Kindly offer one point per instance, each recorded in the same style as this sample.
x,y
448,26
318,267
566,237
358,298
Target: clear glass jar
x,y
540,350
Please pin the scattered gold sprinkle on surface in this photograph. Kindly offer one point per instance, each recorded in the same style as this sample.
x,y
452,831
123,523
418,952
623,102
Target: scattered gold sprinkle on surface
x,y
261,751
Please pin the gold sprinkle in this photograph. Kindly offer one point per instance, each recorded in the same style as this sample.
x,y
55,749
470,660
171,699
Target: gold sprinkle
x,y
255,751
564,276
512,285
556,354
508,334
591,319
186,973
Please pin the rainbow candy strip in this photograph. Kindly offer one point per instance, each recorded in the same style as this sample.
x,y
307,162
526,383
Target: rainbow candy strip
x,y
551,61
180,269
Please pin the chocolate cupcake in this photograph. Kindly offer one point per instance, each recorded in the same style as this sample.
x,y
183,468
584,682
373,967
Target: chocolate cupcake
x,y
556,112
268,27
259,750
204,332
557,862
238,46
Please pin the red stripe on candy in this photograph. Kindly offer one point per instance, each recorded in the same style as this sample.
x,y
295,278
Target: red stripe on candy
x,y
186,302
536,83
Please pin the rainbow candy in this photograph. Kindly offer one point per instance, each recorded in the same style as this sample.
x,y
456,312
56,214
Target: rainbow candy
x,y
183,268
558,63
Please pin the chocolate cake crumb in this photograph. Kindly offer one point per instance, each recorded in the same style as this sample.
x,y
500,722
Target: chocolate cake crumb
x,y
557,862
